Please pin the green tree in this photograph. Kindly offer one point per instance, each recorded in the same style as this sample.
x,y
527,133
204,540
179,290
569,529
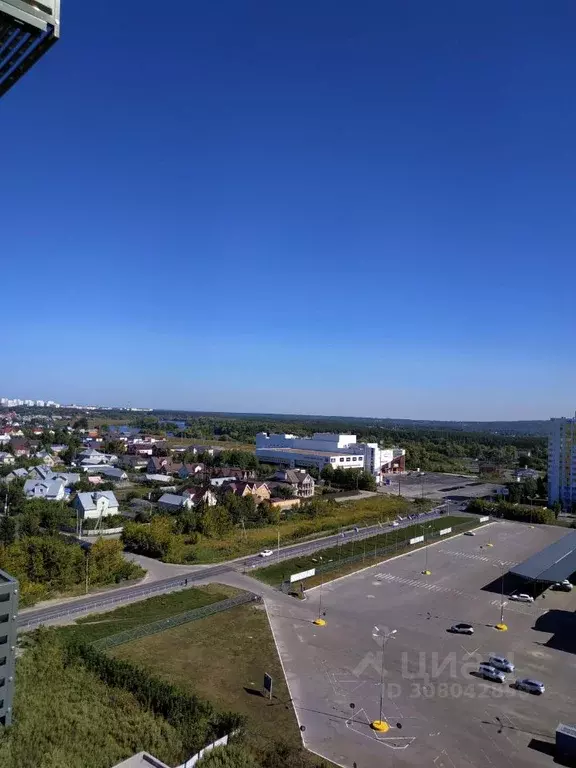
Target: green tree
x,y
327,473
215,522
233,756
7,530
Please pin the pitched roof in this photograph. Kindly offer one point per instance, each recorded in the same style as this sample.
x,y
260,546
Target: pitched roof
x,y
52,488
553,563
89,499
172,500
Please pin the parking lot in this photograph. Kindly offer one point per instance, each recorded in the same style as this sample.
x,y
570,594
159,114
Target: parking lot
x,y
438,486
440,713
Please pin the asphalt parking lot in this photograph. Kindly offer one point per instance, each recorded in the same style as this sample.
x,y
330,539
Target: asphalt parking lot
x,y
439,486
440,713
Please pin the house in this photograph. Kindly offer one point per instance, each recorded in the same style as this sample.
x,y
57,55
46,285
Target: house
x,y
57,448
236,472
159,465
52,490
90,456
187,470
6,458
95,504
200,495
41,472
111,473
16,473
166,479
141,449
132,462
301,483
20,446
260,491
527,474
170,502
218,482
47,458
69,478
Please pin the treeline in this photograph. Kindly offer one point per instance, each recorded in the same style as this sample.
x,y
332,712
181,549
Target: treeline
x,y
508,511
49,565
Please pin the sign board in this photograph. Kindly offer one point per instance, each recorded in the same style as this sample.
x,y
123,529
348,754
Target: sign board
x,y
483,519
444,531
416,539
268,684
302,575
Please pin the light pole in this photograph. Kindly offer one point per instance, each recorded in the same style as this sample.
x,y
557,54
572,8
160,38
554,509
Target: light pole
x,y
425,572
380,724
501,625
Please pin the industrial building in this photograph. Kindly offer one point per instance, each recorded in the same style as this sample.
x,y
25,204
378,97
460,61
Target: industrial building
x,y
326,448
28,28
562,462
8,615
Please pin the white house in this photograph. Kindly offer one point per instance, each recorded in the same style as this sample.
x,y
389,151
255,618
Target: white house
x,y
6,458
53,490
95,504
170,502
198,495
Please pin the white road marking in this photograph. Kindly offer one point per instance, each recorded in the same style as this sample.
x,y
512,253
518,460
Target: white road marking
x,y
417,584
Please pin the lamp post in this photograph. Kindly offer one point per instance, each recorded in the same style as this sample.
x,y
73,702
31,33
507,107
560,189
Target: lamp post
x,y
380,724
501,625
425,572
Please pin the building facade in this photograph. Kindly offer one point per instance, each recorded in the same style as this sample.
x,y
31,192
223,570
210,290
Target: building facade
x,y
325,448
8,627
562,462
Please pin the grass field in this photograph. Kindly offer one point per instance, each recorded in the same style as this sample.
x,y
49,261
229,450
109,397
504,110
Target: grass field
x,y
65,717
343,515
99,625
277,573
223,658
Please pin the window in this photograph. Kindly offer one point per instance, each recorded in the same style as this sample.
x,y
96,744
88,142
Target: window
x,y
2,682
5,597
341,458
4,618
353,458
3,639
348,458
3,661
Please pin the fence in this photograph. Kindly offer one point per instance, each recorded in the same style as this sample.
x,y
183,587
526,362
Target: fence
x,y
174,621
390,549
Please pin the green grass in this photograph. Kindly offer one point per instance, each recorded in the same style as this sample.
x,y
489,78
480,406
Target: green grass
x,y
342,515
278,572
223,658
65,717
99,625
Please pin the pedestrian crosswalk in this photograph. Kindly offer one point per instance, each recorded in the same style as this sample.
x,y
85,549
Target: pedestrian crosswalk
x,y
421,584
474,556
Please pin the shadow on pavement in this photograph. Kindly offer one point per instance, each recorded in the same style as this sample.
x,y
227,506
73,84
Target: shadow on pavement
x,y
562,626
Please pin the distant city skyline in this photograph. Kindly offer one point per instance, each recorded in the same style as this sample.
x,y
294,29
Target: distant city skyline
x,y
297,208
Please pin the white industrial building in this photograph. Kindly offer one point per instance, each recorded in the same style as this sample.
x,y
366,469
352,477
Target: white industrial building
x,y
327,448
562,462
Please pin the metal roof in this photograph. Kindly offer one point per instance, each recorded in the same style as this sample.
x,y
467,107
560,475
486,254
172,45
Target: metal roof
x,y
554,563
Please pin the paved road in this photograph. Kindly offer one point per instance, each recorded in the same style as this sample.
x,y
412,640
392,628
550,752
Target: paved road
x,y
73,609
308,547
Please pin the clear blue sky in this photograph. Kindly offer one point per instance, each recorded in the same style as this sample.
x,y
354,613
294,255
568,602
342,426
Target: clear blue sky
x,y
317,206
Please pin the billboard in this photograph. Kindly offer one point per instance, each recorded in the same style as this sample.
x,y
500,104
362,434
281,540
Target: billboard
x,y
302,575
445,531
416,539
28,28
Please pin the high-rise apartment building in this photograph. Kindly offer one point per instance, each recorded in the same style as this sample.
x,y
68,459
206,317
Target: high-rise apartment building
x,y
8,627
562,462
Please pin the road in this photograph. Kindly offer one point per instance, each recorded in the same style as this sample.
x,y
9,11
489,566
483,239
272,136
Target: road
x,y
71,609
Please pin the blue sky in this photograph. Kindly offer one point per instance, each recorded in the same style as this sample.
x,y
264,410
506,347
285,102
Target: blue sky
x,y
313,207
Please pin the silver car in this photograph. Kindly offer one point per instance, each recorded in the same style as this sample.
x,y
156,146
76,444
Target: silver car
x,y
501,663
489,672
530,686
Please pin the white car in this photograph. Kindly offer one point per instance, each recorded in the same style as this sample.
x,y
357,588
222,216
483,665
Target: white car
x,y
266,553
395,524
522,597
462,629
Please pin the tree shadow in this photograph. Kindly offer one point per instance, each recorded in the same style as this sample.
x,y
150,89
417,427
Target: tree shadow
x,y
562,626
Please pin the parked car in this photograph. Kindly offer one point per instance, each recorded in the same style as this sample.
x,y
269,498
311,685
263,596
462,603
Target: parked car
x,y
530,686
501,663
462,629
266,553
488,672
395,524
522,597
562,586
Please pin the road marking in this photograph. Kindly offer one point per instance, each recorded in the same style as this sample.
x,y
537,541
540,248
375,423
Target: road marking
x,y
430,586
473,556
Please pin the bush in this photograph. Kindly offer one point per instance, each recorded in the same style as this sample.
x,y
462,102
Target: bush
x,y
507,511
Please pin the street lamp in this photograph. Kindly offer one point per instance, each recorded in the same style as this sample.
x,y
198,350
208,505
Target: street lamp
x,y
380,724
425,572
501,624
